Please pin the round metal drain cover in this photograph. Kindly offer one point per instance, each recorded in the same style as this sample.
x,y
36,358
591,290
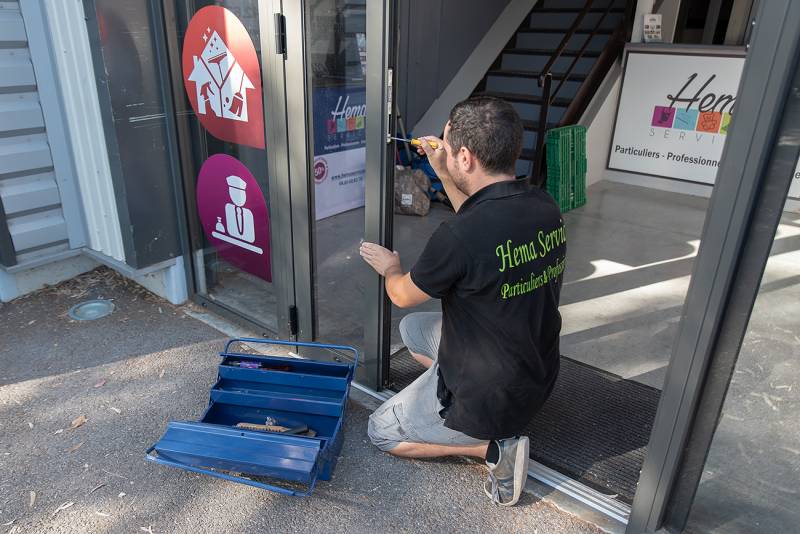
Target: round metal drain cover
x,y
91,310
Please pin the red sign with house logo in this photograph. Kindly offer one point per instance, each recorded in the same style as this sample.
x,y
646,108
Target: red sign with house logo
x,y
222,77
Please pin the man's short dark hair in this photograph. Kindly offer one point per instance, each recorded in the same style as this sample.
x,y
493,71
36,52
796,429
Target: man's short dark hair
x,y
491,129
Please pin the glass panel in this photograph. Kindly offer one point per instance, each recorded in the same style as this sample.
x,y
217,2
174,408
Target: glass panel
x,y
335,36
750,480
228,197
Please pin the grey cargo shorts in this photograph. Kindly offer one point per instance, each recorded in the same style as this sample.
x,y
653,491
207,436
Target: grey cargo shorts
x,y
413,414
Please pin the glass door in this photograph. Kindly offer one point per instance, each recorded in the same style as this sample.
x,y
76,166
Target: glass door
x,y
229,92
335,42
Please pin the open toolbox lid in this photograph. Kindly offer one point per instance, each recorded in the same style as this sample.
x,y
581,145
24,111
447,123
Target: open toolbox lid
x,y
216,449
289,359
200,447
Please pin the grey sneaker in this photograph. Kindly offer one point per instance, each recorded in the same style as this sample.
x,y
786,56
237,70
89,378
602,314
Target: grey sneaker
x,y
507,477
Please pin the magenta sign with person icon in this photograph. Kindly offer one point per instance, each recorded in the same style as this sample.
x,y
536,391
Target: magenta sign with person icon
x,y
234,214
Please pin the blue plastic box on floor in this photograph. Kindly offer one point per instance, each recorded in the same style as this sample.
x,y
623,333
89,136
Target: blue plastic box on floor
x,y
268,416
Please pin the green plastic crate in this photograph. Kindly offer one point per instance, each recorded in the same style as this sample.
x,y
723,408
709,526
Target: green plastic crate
x,y
566,166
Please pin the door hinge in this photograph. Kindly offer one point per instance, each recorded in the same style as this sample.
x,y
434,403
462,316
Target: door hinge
x,y
280,34
293,327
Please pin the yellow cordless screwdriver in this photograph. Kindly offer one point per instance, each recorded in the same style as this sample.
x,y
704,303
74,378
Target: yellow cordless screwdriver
x,y
416,142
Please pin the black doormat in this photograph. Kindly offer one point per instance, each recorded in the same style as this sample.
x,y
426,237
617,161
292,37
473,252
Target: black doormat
x,y
594,427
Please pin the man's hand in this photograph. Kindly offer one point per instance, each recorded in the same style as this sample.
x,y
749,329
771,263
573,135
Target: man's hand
x,y
438,160
437,157
381,259
401,289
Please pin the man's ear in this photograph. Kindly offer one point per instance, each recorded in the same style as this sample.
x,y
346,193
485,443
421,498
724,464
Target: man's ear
x,y
467,159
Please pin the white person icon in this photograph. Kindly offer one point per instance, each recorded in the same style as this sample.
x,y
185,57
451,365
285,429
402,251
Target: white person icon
x,y
239,228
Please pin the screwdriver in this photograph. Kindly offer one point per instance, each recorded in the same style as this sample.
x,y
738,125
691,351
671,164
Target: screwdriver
x,y
416,142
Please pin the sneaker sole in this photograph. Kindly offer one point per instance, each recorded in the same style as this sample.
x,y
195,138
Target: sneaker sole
x,y
520,469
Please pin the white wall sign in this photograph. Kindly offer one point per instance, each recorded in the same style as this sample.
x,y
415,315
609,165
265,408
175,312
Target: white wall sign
x,y
673,115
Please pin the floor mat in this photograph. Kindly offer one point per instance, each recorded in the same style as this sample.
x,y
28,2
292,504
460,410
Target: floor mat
x,y
594,428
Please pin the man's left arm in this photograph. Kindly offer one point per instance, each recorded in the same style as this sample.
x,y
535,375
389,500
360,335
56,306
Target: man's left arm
x,y
401,289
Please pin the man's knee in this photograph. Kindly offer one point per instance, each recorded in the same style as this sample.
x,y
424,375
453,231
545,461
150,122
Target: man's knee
x,y
414,333
381,433
409,326
385,426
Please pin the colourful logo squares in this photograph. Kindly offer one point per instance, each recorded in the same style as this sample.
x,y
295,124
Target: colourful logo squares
x,y
685,119
663,116
691,119
345,125
726,122
709,121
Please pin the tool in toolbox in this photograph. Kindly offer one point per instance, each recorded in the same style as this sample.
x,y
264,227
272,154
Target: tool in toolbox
x,y
282,419
414,142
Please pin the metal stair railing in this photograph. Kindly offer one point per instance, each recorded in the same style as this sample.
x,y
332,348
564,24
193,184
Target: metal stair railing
x,y
545,79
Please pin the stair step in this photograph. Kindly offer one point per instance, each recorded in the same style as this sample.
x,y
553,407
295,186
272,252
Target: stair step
x,y
576,10
532,74
528,99
546,52
584,31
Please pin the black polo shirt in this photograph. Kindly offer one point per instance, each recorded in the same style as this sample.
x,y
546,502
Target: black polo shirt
x,y
497,267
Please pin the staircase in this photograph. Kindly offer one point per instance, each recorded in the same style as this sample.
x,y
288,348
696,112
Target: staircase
x,y
576,41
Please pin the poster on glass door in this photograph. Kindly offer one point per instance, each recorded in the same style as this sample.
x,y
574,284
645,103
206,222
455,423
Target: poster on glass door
x,y
339,149
222,77
674,113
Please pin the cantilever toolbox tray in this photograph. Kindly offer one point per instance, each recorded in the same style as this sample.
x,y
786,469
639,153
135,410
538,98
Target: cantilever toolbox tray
x,y
306,396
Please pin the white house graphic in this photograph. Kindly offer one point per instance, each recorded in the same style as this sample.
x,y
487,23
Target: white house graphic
x,y
219,80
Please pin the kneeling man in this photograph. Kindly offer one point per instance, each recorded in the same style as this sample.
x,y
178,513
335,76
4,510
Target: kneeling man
x,y
493,353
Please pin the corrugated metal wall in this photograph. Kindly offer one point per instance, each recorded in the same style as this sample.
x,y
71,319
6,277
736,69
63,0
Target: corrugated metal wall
x,y
28,187
72,61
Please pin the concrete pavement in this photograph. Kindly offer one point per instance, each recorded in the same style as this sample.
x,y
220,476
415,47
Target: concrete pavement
x,y
148,363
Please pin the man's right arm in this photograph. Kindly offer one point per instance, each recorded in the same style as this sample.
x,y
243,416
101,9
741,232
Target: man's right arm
x,y
438,159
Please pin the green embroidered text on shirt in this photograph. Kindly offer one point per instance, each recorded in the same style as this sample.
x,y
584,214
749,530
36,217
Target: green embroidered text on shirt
x,y
534,281
514,256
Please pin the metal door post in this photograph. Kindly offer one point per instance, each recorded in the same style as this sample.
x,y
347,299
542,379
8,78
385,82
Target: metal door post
x,y
753,180
378,186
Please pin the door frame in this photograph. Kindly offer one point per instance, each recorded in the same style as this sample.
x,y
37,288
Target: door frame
x,y
287,179
300,150
379,191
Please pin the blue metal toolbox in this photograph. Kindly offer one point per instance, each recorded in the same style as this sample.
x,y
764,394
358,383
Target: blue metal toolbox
x,y
268,416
